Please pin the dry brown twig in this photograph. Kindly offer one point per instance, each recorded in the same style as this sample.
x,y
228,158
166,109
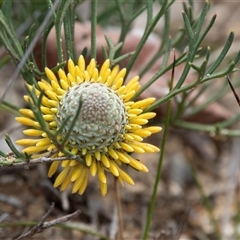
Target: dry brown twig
x,y
33,162
119,210
42,225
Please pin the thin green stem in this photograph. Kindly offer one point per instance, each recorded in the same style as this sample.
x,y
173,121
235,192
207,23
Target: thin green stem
x,y
165,40
180,60
69,31
8,107
94,7
61,13
148,31
213,130
176,91
159,168
12,147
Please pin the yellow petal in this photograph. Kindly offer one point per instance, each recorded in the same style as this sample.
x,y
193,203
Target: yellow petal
x,y
137,149
84,151
123,157
43,85
44,142
86,76
33,132
133,84
114,71
50,74
27,112
53,110
120,75
51,95
45,110
128,137
52,103
79,75
52,147
134,126
129,95
95,75
71,68
147,146
34,149
81,63
135,137
144,168
103,188
66,182
53,124
153,129
121,90
62,75
76,172
105,161
73,163
117,83
142,133
71,79
113,168
104,68
53,168
48,117
91,67
125,177
74,151
147,115
60,178
88,159
55,85
78,183
139,121
105,76
101,174
26,121
97,155
113,154
109,81
64,84
84,183
65,163
135,164
93,168
135,111
143,103
83,186
126,147
27,142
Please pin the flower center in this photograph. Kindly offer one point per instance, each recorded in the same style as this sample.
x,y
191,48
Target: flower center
x,y
102,118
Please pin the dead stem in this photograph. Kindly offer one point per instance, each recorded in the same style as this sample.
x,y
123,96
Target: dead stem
x,y
119,209
42,225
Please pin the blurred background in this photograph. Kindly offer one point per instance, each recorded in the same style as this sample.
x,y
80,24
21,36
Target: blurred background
x,y
198,194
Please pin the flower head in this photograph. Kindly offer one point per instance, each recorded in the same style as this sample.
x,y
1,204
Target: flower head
x,y
108,128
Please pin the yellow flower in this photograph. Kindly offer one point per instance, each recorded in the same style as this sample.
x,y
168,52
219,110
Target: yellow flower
x,y
107,130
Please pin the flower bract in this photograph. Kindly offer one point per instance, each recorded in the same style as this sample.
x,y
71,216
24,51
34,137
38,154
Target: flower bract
x,y
91,110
